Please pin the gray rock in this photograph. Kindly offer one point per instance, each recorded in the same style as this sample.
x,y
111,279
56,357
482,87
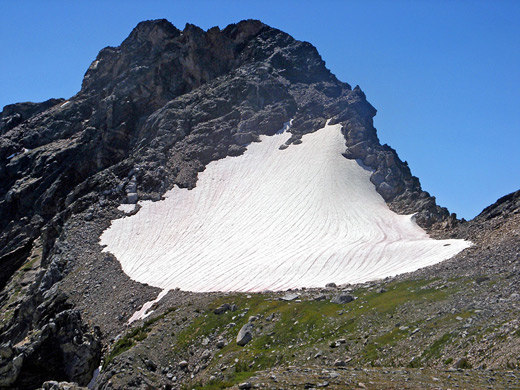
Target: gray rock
x,y
340,363
132,198
183,364
342,298
290,297
245,335
331,285
222,309
206,354
150,365
244,386
54,385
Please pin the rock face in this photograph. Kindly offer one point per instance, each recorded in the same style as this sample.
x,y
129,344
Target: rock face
x,y
152,113
46,337
14,114
164,104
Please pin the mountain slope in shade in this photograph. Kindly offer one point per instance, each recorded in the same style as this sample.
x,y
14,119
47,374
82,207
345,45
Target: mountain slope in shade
x,y
273,219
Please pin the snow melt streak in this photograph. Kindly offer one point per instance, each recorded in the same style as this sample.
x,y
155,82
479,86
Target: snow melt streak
x,y
273,219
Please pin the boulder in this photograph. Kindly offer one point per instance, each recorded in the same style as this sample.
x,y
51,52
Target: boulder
x,y
289,297
245,335
222,309
342,298
340,363
132,198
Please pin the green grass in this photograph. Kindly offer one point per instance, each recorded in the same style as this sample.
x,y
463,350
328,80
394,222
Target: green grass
x,y
400,293
132,337
214,384
435,350
301,325
371,351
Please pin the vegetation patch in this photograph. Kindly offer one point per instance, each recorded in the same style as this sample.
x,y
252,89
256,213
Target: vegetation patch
x,y
435,350
290,332
132,337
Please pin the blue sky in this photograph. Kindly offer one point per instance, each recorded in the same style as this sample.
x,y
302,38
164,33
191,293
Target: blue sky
x,y
443,75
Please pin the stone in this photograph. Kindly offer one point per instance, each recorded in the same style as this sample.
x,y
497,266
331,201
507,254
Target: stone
x,y
150,365
340,363
244,386
289,297
482,279
132,198
183,364
342,299
463,363
331,285
245,335
222,309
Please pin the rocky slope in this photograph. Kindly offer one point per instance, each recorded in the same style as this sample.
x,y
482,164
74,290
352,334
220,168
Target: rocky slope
x,y
451,325
152,113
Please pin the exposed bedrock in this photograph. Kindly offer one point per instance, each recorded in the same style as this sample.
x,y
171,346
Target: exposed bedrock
x,y
46,338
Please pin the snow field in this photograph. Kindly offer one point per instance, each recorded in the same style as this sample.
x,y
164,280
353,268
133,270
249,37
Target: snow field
x,y
271,220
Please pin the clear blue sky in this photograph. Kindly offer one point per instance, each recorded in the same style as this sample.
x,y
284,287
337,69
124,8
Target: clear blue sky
x,y
443,75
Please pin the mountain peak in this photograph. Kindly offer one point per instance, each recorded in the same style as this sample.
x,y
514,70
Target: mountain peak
x,y
152,29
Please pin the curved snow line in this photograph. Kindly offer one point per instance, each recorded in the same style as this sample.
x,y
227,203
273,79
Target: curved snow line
x,y
273,219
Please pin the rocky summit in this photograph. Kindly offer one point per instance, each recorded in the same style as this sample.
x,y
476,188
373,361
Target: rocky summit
x,y
156,117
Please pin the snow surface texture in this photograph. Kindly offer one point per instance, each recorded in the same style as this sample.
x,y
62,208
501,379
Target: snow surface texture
x,y
273,219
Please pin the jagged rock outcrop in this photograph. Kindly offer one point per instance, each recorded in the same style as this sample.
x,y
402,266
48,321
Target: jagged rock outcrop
x,y
14,114
505,207
152,113
46,337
